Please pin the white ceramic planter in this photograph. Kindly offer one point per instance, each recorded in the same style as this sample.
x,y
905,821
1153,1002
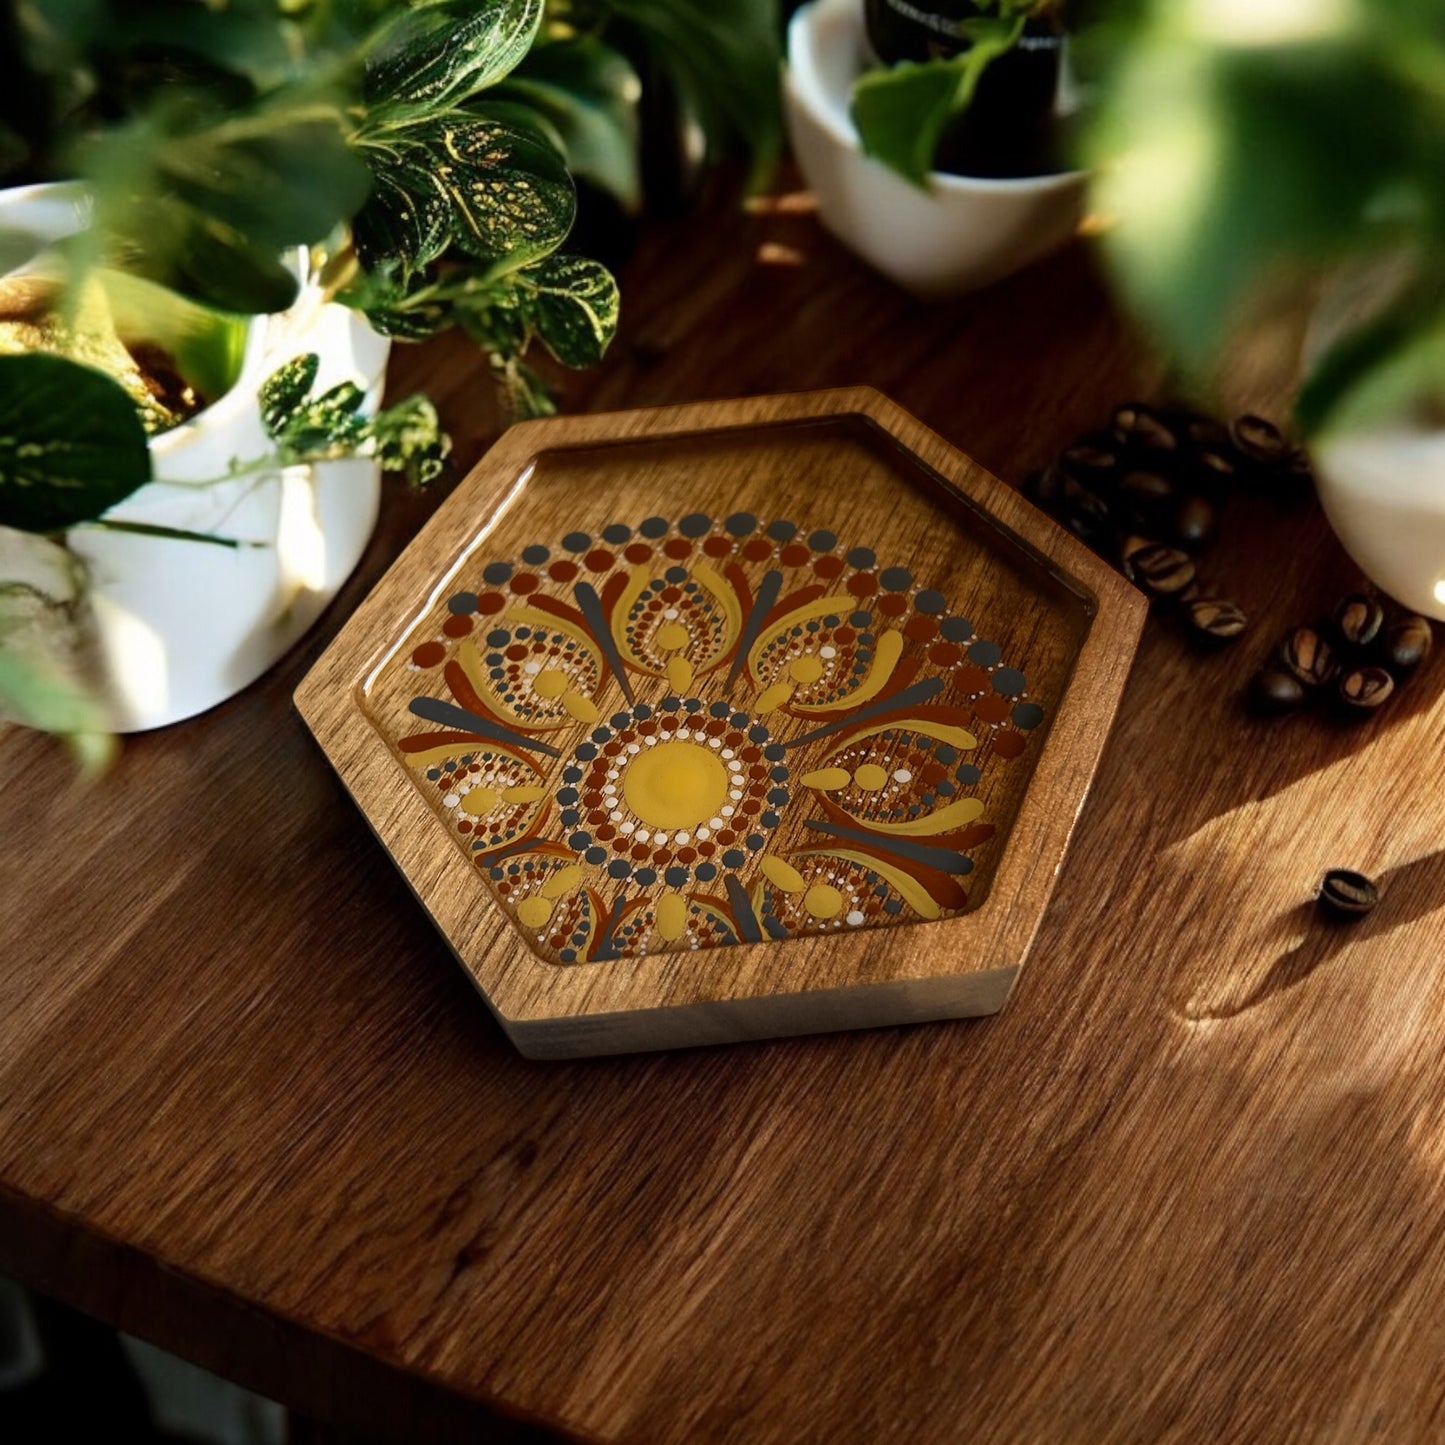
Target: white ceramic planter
x,y
180,626
961,233
1384,493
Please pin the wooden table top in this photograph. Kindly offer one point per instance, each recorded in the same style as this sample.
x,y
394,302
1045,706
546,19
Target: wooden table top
x,y
1186,1186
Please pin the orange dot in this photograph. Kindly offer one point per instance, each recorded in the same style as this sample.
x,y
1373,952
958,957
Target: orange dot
x,y
828,566
429,654
971,679
490,602
677,547
758,550
517,651
457,626
1009,745
794,555
599,561
862,584
992,708
945,654
638,552
563,571
921,628
717,546
524,583
893,605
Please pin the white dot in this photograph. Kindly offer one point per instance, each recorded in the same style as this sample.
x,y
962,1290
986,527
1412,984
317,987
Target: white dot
x,y
716,822
626,829
736,795
902,775
735,766
679,837
670,613
451,800
615,816
703,832
855,918
633,748
532,667
827,652
714,742
727,752
643,835
727,810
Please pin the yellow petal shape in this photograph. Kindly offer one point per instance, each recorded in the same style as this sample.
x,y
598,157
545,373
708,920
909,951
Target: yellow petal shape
x,y
942,820
670,636
941,732
679,674
825,780
479,801
784,875
819,607
522,795
550,683
583,709
774,696
913,893
671,916
564,880
885,659
870,777
534,912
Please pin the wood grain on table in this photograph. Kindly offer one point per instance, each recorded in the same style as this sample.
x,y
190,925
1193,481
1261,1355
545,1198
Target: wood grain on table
x,y
1187,1186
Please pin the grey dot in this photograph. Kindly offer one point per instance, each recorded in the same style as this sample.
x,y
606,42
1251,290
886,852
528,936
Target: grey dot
x,y
616,533
495,573
462,603
741,523
1028,715
956,629
694,524
1009,681
930,601
985,654
576,541
896,579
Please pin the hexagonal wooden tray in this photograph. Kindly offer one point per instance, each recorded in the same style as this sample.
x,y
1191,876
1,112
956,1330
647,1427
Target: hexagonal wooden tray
x,y
731,720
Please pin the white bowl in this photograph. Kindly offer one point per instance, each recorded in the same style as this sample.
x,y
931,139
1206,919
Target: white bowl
x,y
961,233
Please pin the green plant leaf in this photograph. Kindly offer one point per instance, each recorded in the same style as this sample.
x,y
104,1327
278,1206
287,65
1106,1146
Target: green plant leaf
x,y
489,183
901,112
572,304
723,58
71,443
588,93
283,393
441,53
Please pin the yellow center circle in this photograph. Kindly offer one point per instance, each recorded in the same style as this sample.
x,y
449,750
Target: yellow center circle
x,y
675,785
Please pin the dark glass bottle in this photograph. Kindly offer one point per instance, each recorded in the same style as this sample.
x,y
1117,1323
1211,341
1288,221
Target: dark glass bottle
x,y
1009,128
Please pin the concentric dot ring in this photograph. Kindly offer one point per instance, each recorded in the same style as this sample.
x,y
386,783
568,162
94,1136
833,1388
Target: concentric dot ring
x,y
687,790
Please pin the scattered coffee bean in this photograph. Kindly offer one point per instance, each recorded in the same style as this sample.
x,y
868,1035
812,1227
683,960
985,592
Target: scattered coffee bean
x,y
1093,463
1137,425
1160,570
1206,433
1405,645
1258,439
1347,894
1273,690
1216,468
1216,619
1194,523
1359,619
1364,689
1147,488
1307,655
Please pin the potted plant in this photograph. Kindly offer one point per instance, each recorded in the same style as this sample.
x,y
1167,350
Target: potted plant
x,y
935,133
253,200
1284,155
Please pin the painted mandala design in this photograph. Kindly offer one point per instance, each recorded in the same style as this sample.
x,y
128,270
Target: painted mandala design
x,y
691,733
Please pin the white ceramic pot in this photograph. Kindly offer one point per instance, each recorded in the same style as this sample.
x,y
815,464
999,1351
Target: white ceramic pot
x,y
182,625
962,232
1384,493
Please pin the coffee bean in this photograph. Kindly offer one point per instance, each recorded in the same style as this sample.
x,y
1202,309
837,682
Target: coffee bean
x,y
1215,619
1258,439
1305,653
1194,523
1215,468
1273,690
1405,645
1347,894
1084,505
1364,689
1358,620
1146,488
1141,427
1160,570
1206,434
1094,463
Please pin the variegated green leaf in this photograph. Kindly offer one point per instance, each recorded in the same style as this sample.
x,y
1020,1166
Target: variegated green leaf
x,y
499,190
286,389
572,304
442,53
